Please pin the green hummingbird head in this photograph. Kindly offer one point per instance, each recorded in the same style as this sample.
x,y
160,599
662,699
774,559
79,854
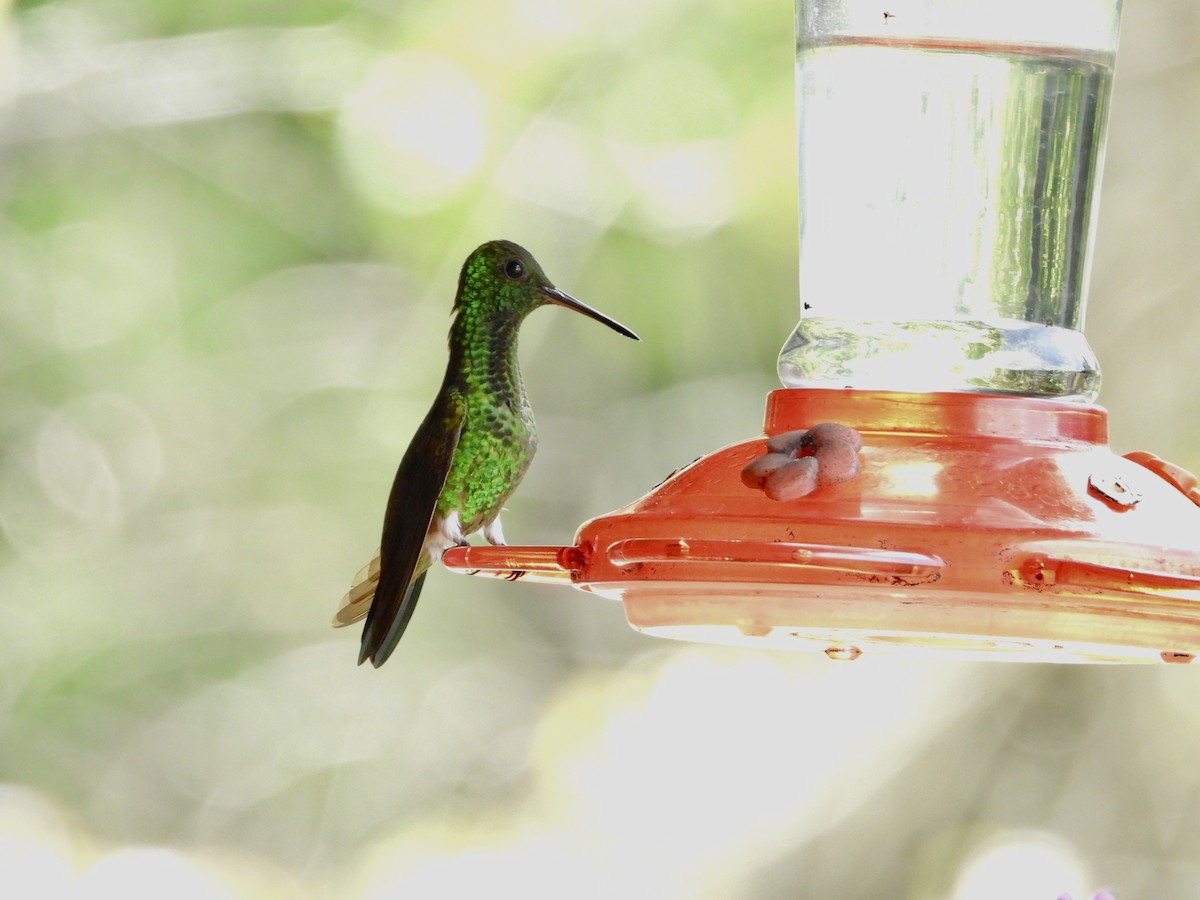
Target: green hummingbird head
x,y
502,281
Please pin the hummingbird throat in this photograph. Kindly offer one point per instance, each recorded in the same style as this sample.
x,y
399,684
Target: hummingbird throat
x,y
483,351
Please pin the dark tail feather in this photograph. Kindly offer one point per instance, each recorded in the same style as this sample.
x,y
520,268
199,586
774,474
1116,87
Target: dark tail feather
x,y
378,648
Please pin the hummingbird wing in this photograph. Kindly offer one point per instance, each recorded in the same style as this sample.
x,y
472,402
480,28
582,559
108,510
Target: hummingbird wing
x,y
410,509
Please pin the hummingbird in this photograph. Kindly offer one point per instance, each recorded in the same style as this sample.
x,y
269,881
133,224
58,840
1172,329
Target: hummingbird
x,y
470,452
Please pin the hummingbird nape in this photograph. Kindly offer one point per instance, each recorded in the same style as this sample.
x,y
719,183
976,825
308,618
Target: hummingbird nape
x,y
472,450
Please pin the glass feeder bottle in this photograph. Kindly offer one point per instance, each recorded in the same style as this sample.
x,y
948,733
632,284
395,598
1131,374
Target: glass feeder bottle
x,y
949,165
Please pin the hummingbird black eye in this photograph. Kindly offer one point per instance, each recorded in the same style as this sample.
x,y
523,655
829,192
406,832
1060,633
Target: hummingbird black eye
x,y
514,269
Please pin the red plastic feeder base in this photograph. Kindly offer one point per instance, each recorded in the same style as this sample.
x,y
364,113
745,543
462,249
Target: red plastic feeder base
x,y
987,526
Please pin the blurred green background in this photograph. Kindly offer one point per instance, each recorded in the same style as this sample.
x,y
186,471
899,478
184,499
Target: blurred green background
x,y
229,238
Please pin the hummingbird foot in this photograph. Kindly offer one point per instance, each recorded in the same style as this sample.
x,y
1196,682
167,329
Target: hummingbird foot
x,y
514,575
493,533
450,530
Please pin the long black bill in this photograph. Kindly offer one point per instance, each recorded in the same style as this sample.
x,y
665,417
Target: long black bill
x,y
561,298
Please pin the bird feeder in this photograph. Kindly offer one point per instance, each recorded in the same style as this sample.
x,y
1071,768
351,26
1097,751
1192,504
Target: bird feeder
x,y
934,475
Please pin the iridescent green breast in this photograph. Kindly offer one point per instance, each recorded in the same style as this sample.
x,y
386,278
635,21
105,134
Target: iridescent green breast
x,y
494,451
